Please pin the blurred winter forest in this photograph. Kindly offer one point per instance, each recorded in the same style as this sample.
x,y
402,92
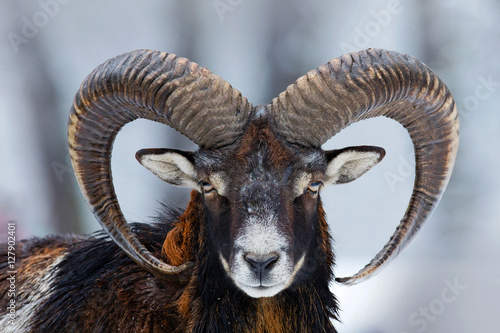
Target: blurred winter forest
x,y
447,280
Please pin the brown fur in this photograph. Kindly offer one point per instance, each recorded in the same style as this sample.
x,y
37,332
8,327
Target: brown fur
x,y
178,248
279,156
271,317
325,235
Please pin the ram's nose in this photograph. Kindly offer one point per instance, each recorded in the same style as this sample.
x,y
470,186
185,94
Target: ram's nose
x,y
261,265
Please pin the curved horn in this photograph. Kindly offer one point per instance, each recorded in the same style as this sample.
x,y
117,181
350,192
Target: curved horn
x,y
151,85
376,83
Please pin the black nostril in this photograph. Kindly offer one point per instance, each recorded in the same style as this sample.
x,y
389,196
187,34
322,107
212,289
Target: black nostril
x,y
259,264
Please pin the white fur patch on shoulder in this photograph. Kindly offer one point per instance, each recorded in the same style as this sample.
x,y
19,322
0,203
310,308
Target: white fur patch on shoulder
x,y
31,295
350,165
171,167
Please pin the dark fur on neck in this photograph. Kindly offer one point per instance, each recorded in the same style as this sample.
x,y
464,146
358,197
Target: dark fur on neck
x,y
98,288
212,302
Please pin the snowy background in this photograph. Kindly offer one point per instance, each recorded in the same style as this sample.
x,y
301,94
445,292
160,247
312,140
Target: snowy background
x,y
447,280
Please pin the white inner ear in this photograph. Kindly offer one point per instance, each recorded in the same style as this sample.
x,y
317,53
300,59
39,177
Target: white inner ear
x,y
350,165
172,168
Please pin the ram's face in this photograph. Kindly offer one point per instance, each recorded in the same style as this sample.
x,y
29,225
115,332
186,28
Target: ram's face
x,y
261,201
262,205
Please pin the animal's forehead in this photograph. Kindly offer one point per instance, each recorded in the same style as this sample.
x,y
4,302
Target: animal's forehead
x,y
261,145
261,153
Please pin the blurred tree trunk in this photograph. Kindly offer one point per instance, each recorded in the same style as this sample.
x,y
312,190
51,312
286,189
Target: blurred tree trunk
x,y
51,144
458,206
285,61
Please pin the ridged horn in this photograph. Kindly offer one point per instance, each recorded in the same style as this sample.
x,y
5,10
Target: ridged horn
x,y
156,86
369,84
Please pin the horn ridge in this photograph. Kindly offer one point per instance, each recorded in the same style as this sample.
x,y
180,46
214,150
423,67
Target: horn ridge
x,y
375,83
151,85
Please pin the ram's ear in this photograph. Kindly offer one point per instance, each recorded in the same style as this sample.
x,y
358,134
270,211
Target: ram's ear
x,y
348,164
176,167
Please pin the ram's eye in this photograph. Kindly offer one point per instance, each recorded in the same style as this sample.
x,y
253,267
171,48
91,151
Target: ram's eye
x,y
207,187
313,188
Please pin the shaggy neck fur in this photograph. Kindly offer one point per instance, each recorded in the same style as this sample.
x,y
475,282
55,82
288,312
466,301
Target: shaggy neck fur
x,y
212,303
91,285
